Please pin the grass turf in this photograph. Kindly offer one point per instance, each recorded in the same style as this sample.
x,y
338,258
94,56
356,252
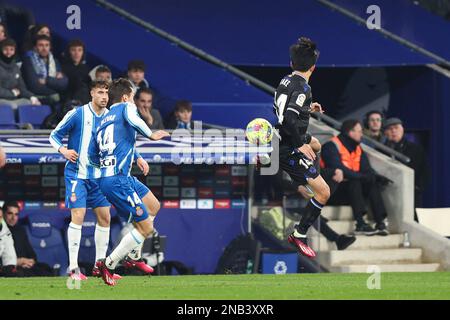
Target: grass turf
x,y
252,287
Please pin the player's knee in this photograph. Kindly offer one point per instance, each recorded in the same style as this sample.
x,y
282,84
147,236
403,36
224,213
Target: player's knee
x,y
77,216
323,195
104,220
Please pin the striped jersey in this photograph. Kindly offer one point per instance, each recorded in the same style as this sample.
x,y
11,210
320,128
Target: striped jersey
x,y
79,125
116,139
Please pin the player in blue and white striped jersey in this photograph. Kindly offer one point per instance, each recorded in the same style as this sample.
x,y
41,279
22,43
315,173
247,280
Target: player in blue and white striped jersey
x,y
116,140
81,177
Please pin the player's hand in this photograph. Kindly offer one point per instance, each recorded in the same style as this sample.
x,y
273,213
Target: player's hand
x,y
316,107
307,151
158,135
338,175
143,166
70,155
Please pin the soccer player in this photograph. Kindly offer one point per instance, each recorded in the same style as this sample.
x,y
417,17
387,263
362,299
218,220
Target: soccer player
x,y
81,177
293,106
114,151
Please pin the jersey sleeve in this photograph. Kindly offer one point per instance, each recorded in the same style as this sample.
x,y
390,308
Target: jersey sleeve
x,y
299,102
137,155
62,129
132,117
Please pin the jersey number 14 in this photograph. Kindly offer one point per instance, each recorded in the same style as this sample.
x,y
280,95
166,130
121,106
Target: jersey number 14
x,y
106,143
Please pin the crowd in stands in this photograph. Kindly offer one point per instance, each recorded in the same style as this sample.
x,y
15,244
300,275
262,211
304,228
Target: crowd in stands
x,y
31,73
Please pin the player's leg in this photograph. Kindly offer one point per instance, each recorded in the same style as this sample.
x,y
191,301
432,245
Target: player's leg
x,y
76,201
119,191
152,204
315,145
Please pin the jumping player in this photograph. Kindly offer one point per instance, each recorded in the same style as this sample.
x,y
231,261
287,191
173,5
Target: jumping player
x,y
293,106
114,152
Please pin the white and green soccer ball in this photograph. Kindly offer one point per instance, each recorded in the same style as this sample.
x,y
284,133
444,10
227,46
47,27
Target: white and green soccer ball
x,y
259,131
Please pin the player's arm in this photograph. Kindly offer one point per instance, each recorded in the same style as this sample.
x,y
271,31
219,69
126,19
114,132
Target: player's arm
x,y
61,130
141,163
133,118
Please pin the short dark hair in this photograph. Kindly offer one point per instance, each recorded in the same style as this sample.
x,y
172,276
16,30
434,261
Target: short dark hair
x,y
10,203
349,125
183,105
9,42
99,84
102,68
75,43
136,65
119,88
304,54
41,37
143,90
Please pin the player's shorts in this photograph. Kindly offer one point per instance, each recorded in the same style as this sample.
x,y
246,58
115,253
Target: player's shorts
x,y
84,193
126,193
299,167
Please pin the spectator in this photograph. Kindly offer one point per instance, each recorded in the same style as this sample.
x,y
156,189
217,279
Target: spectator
x,y
76,70
136,74
373,125
27,264
360,180
2,157
12,87
396,140
181,118
3,32
42,72
8,258
101,73
144,101
31,35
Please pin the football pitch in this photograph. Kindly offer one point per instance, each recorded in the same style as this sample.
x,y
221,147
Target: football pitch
x,y
235,287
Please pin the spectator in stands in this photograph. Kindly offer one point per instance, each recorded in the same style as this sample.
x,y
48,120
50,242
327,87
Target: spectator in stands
x,y
12,87
42,72
3,32
27,264
136,74
361,181
75,68
8,258
144,100
31,35
181,118
101,73
2,157
373,125
396,140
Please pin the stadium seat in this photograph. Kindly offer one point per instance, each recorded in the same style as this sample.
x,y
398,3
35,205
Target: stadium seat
x,y
47,242
7,120
33,114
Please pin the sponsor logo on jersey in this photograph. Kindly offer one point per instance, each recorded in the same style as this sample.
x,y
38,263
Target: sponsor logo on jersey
x,y
300,100
222,204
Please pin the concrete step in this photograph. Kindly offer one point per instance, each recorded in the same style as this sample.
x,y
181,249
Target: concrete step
x,y
362,242
342,227
373,256
363,268
338,213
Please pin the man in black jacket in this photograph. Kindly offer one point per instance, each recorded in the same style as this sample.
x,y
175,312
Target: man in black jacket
x,y
27,264
361,182
396,140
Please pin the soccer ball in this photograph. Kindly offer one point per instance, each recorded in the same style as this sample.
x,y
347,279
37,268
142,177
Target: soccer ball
x,y
259,131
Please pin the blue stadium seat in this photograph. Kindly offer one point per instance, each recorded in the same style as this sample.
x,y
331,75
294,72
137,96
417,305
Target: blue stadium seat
x,y
7,120
33,114
47,242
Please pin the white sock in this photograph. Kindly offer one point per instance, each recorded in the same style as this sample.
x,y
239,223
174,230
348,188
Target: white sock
x,y
298,234
73,242
101,236
131,240
136,253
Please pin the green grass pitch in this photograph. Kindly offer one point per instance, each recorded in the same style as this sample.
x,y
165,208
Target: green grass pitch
x,y
252,287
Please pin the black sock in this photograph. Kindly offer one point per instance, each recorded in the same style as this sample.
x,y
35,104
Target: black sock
x,y
310,214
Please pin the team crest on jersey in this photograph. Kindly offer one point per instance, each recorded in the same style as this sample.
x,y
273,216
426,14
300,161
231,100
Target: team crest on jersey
x,y
300,100
73,198
139,211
